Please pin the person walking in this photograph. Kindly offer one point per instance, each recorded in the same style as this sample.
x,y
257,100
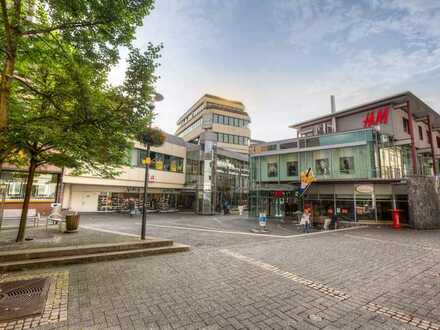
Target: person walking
x,y
305,220
131,207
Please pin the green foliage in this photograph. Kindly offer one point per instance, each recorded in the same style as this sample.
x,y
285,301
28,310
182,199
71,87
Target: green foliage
x,y
153,137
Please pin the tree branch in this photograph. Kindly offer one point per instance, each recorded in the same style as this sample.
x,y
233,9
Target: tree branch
x,y
27,84
65,26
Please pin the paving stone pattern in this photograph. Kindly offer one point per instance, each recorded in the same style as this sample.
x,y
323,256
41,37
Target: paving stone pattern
x,y
55,309
386,277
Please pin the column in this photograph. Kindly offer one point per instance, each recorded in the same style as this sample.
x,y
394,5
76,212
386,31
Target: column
x,y
413,142
432,145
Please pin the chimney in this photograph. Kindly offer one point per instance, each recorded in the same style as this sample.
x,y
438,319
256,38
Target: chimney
x,y
333,105
333,110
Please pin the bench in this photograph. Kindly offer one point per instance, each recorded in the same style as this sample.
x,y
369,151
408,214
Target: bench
x,y
15,214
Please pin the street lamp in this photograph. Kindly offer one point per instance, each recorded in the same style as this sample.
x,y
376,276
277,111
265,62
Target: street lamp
x,y
147,161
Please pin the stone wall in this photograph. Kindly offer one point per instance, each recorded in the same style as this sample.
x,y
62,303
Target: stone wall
x,y
424,202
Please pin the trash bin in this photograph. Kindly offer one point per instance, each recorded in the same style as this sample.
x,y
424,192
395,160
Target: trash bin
x,y
72,222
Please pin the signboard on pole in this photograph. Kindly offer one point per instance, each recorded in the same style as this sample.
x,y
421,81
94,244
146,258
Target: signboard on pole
x,y
307,178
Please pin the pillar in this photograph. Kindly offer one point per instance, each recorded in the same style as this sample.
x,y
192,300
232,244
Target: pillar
x,y
413,140
432,145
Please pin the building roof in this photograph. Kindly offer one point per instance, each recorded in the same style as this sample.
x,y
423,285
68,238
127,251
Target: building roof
x,y
213,98
396,98
173,139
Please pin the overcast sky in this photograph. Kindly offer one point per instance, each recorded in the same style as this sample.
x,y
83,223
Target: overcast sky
x,y
284,58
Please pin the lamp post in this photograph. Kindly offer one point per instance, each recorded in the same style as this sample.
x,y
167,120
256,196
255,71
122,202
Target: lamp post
x,y
146,161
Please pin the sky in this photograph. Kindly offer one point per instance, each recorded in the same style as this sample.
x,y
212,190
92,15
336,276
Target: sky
x,y
284,58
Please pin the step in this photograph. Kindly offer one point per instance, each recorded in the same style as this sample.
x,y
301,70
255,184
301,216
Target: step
x,y
77,259
39,253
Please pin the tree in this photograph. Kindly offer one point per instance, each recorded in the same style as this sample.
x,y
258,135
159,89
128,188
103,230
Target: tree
x,y
94,28
67,116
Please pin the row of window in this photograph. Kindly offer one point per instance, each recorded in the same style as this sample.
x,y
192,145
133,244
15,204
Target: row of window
x,y
232,139
322,167
159,161
405,122
194,113
190,128
43,187
231,121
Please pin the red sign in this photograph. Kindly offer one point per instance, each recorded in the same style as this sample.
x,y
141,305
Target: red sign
x,y
376,117
278,194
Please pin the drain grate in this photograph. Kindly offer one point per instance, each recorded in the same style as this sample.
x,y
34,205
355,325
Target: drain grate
x,y
20,299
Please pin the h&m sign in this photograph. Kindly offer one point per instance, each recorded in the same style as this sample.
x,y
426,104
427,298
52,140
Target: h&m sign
x,y
376,117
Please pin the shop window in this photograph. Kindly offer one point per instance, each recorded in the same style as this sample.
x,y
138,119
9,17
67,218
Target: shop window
x,y
405,125
272,170
167,163
322,166
292,168
346,165
420,133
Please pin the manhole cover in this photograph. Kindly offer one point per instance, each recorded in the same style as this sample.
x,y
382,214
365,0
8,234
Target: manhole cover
x,y
20,299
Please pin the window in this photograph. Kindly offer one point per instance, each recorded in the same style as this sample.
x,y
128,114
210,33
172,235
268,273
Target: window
x,y
240,123
346,165
420,133
405,125
236,122
322,166
272,170
167,163
438,141
160,161
235,139
240,140
429,136
289,145
231,139
292,168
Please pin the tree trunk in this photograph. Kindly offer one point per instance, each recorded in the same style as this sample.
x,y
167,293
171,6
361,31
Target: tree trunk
x,y
27,198
5,86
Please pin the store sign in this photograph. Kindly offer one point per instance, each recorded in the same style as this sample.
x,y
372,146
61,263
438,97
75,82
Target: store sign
x,y
365,189
376,117
278,194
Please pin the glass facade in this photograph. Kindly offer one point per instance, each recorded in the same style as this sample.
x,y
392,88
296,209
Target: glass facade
x,y
275,178
216,178
44,186
159,161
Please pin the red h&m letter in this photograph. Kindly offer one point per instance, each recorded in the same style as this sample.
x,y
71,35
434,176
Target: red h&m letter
x,y
382,116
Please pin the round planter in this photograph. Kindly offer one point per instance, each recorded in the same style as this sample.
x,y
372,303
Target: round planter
x,y
72,223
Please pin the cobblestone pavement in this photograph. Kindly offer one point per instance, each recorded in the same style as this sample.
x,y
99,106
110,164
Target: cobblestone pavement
x,y
365,278
195,230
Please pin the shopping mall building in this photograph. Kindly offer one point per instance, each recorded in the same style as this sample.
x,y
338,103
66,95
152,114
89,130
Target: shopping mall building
x,y
361,158
198,169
